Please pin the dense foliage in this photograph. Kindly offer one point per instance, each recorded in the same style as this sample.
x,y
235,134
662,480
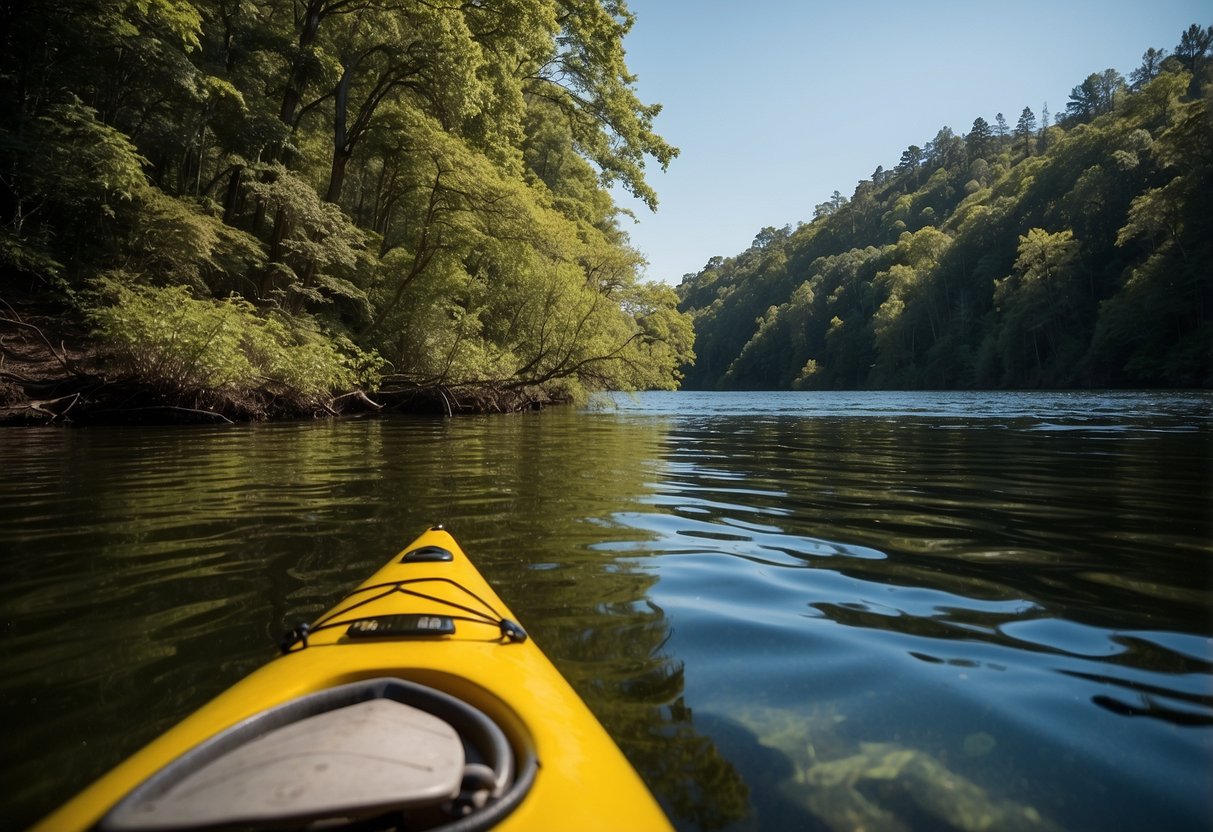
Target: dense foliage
x,y
1067,255
310,194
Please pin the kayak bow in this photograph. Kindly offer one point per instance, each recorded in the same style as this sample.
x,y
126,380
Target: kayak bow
x,y
417,702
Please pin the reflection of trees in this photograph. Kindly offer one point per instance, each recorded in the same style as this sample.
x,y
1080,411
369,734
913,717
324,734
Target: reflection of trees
x,y
552,481
614,658
166,563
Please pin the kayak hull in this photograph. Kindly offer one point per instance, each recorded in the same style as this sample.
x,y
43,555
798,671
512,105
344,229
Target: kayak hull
x,y
583,780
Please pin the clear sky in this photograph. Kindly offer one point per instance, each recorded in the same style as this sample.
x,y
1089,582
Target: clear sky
x,y
775,104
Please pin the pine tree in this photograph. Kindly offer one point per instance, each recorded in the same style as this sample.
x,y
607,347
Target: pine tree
x,y
1151,65
1025,128
977,142
1000,128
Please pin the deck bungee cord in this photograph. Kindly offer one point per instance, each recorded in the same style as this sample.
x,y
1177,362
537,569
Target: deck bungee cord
x,y
404,626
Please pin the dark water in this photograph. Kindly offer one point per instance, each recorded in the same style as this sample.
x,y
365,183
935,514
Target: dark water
x,y
792,610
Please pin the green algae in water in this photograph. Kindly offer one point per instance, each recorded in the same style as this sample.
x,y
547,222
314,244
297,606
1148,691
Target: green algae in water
x,y
882,787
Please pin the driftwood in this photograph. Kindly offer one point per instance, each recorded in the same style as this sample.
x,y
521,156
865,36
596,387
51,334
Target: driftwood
x,y
46,407
358,398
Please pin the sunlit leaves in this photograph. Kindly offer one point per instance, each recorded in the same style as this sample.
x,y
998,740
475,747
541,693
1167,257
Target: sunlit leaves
x,y
83,163
586,77
1156,215
178,241
70,179
1080,260
312,236
181,344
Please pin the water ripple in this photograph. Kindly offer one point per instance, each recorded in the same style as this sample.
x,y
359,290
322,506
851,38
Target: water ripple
x,y
718,578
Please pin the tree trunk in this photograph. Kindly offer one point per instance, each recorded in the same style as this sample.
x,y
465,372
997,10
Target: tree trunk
x,y
307,278
341,141
293,94
231,198
337,175
282,226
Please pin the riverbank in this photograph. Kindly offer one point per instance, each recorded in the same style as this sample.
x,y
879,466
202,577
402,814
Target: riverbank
x,y
51,374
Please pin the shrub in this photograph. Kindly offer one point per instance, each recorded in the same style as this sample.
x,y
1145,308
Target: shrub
x,y
165,337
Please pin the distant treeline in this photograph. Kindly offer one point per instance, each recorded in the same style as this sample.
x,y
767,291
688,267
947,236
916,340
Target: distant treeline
x,y
242,199
1072,253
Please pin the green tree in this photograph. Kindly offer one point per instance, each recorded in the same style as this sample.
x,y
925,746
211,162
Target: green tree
x,y
1151,66
911,158
1035,304
835,203
911,161
383,53
1194,46
1094,96
979,139
1000,126
1025,130
1193,53
587,79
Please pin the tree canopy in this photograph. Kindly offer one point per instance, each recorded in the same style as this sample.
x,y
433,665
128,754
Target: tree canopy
x,y
421,187
1075,254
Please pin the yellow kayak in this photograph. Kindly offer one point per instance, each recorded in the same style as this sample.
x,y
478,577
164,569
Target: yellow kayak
x,y
417,702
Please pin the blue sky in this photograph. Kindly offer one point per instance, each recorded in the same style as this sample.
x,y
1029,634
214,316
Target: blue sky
x,y
776,104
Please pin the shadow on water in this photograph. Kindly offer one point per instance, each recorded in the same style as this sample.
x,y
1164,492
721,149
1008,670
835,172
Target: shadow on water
x,y
144,571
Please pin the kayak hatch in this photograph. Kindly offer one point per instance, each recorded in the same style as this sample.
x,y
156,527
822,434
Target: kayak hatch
x,y
359,751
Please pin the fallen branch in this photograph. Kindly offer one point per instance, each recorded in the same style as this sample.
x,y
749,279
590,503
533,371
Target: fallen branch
x,y
361,397
44,406
75,398
62,359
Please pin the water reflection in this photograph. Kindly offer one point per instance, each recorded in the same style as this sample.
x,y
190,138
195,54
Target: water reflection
x,y
927,582
789,619
146,570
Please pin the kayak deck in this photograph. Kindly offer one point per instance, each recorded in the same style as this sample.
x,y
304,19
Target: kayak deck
x,y
427,618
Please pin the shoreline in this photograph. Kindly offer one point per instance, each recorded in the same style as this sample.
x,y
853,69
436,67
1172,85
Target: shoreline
x,y
44,385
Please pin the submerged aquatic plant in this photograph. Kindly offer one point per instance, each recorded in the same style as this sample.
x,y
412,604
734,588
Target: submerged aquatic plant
x,y
879,786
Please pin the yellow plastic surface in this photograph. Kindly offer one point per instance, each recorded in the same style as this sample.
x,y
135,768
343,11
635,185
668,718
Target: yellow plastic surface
x,y
584,782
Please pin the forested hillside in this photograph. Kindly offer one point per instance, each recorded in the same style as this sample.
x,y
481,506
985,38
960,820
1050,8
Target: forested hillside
x,y
251,201
1075,253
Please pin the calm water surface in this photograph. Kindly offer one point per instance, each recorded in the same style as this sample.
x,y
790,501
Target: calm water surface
x,y
793,611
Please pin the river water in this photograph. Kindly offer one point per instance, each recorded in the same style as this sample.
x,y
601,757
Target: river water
x,y
792,610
